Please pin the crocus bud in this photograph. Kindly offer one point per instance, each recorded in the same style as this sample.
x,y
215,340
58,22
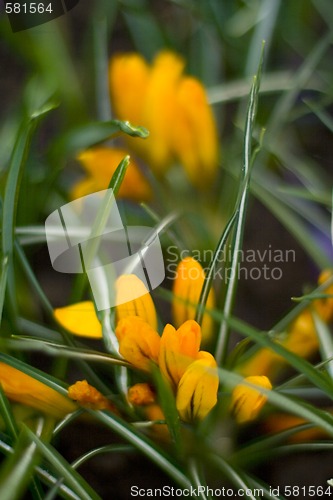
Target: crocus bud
x,y
187,287
143,306
139,343
197,389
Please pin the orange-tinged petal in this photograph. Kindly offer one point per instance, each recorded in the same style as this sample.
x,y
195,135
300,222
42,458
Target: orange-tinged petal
x,y
160,110
187,287
87,396
128,79
194,137
80,319
247,401
141,394
22,388
179,348
100,163
139,343
197,389
142,306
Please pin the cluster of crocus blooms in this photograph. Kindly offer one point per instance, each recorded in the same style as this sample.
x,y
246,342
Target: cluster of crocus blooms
x,y
192,373
173,107
301,339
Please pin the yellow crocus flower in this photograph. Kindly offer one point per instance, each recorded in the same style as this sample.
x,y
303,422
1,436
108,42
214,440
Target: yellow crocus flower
x,y
139,343
172,107
187,287
178,349
197,389
143,306
100,164
80,319
247,401
24,389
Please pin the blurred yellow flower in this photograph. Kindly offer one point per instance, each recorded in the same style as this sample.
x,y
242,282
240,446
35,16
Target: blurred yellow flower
x,y
197,389
142,306
187,287
100,164
80,319
87,396
247,401
172,107
301,338
24,389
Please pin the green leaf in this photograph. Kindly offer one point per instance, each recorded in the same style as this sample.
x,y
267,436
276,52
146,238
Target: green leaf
x,y
16,167
90,134
318,379
7,415
144,445
168,404
16,472
64,469
223,336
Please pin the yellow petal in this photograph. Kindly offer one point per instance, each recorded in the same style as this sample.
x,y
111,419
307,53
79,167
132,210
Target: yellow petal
x,y
160,109
101,163
139,343
179,348
194,133
80,319
22,388
89,397
143,306
128,80
197,389
187,287
247,401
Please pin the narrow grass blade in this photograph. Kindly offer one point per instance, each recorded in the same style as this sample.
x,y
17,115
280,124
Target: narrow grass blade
x,y
7,416
93,133
168,404
235,476
71,477
17,163
309,413
16,472
44,475
209,276
318,379
3,283
325,341
287,100
144,445
223,336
